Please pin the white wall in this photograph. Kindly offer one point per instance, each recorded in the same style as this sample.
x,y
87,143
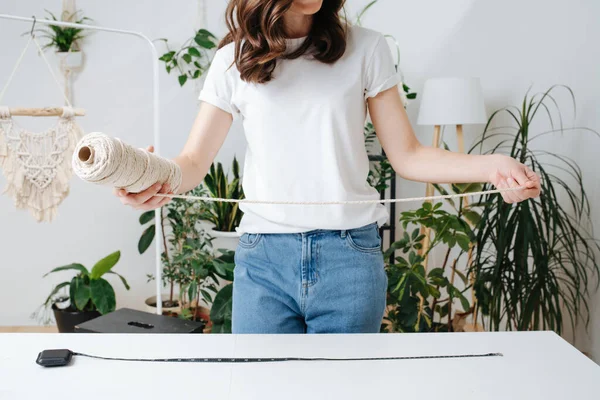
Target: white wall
x,y
510,45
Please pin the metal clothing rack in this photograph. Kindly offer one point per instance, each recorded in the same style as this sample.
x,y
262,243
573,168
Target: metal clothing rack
x,y
155,112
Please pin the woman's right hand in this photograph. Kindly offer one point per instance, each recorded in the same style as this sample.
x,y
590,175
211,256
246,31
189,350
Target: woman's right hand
x,y
146,200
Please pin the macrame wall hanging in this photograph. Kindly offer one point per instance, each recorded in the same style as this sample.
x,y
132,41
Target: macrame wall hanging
x,y
37,165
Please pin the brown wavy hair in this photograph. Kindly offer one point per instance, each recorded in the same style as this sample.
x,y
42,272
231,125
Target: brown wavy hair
x,y
257,29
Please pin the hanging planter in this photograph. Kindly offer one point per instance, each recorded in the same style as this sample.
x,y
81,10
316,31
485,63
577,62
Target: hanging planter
x,y
65,40
69,59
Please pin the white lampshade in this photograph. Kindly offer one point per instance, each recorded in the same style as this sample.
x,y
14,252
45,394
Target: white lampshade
x,y
452,101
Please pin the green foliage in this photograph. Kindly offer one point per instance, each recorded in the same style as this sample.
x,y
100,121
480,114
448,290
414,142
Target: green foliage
x,y
88,291
64,38
191,267
221,311
193,58
225,216
535,259
421,300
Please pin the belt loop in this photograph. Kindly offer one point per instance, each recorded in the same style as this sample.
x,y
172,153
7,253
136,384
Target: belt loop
x,y
343,233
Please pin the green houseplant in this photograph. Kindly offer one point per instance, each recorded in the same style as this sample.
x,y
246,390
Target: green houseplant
x,y
534,259
192,269
225,216
66,39
89,296
421,300
192,59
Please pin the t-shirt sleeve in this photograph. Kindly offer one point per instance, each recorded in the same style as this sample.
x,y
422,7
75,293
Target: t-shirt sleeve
x,y
218,85
381,71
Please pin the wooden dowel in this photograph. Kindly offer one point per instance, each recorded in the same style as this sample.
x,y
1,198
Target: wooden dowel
x,y
43,112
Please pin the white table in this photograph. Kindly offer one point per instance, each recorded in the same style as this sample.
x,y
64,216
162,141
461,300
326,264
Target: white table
x,y
536,365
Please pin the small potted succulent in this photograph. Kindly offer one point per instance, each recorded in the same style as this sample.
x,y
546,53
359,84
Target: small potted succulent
x,y
65,40
89,295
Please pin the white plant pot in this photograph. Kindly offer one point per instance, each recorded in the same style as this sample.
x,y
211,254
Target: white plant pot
x,y
70,59
224,240
152,300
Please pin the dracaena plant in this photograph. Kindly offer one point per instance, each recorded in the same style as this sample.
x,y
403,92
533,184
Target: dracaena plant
x,y
225,216
535,260
88,290
423,299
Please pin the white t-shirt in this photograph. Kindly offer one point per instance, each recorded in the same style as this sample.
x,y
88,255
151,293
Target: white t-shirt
x,y
305,136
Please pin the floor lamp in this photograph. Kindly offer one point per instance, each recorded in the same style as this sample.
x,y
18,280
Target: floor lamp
x,y
451,101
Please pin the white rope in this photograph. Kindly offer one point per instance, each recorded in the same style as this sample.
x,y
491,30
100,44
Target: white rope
x,y
340,202
15,68
60,87
101,159
18,63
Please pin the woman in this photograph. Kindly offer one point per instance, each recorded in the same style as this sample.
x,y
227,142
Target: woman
x,y
301,81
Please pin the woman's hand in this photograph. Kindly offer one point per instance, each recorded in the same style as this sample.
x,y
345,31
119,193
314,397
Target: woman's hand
x,y
146,200
509,173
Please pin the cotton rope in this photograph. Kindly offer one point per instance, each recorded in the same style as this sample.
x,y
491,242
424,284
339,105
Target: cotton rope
x,y
18,63
108,161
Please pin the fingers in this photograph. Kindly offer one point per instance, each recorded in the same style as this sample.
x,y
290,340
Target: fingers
x,y
516,195
519,175
150,149
505,195
138,199
146,200
533,184
164,201
154,202
526,178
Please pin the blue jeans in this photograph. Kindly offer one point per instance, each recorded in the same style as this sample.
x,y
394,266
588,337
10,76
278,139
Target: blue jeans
x,y
322,281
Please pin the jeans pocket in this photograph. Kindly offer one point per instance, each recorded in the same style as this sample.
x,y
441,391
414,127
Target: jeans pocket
x,y
249,240
365,239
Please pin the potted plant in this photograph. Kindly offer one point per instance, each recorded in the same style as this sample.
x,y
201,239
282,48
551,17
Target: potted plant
x,y
89,295
535,259
191,269
65,39
421,300
224,216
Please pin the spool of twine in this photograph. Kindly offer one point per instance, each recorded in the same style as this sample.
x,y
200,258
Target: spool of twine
x,y
108,161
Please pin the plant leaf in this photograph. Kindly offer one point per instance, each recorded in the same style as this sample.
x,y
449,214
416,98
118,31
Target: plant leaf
x,y
75,266
81,293
182,79
192,51
55,290
105,265
102,295
147,217
122,279
222,306
146,239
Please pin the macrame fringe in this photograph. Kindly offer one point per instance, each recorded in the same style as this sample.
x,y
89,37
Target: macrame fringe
x,y
42,202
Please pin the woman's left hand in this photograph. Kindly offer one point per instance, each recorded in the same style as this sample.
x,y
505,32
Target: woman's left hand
x,y
509,173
